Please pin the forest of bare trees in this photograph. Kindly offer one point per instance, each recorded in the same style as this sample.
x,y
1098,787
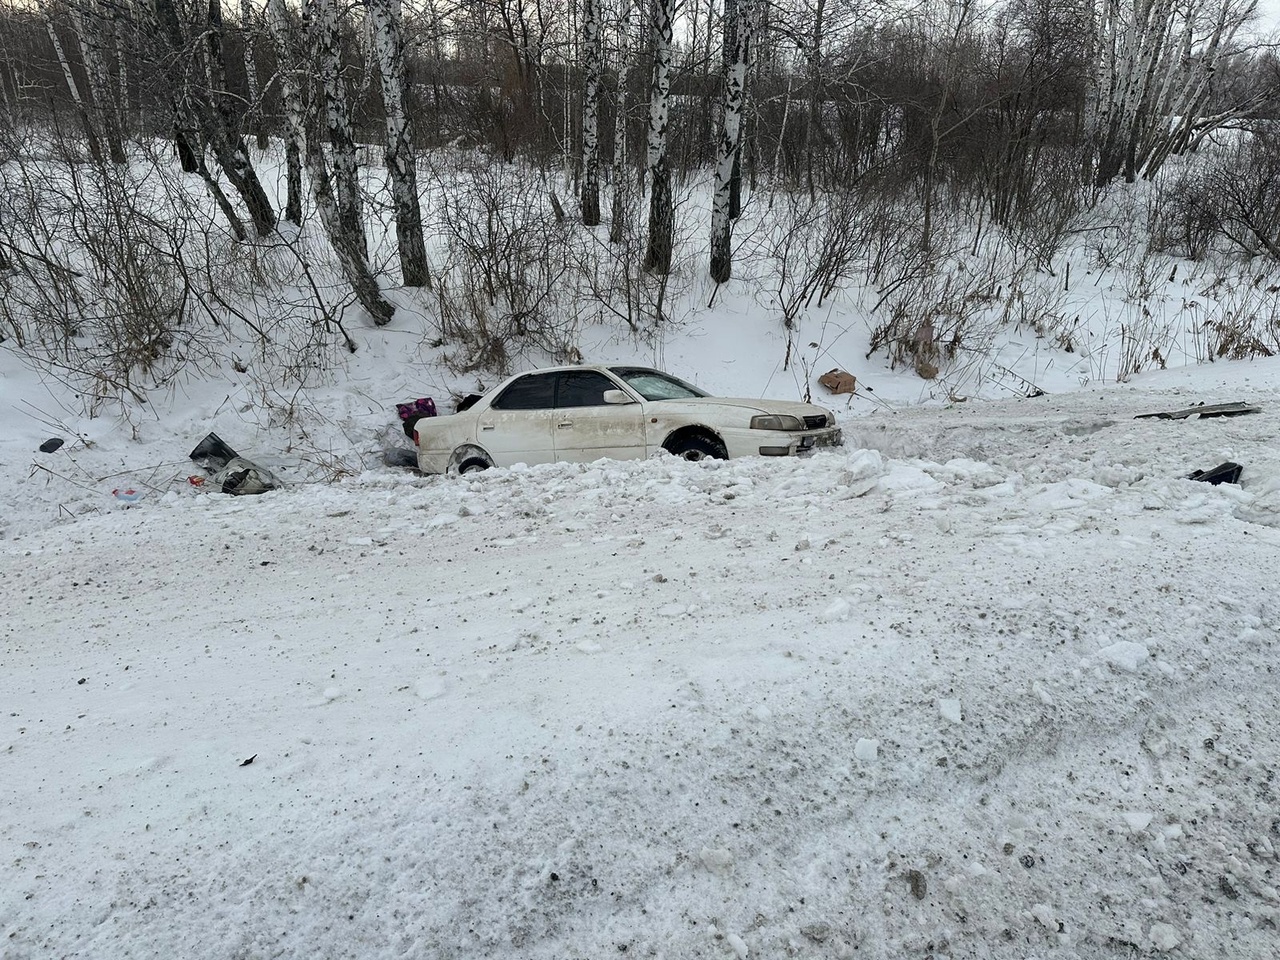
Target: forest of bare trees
x,y
529,156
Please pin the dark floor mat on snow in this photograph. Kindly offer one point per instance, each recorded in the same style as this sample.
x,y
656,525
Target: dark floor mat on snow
x,y
1203,410
1223,473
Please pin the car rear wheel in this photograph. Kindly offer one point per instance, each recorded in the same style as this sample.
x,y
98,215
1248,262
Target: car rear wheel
x,y
469,459
697,446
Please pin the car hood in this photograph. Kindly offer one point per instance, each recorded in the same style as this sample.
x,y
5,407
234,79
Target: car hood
x,y
753,406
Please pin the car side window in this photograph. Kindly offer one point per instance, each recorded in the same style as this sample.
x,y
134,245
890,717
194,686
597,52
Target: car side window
x,y
534,392
583,388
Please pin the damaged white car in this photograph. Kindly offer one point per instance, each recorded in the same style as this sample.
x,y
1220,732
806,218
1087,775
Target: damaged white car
x,y
585,413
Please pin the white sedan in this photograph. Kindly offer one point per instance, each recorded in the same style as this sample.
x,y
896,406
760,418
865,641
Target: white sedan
x,y
585,413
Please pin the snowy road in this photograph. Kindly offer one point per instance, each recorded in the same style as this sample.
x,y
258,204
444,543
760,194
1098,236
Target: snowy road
x,y
1015,698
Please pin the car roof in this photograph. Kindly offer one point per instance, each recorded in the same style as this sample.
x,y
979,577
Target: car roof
x,y
587,366
601,367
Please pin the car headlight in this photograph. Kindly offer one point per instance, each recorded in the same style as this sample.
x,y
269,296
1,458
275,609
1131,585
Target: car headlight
x,y
775,421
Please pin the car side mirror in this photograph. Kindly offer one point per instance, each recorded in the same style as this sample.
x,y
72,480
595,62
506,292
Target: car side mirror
x,y
617,396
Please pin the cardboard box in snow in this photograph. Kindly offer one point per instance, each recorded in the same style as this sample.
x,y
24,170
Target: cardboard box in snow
x,y
837,381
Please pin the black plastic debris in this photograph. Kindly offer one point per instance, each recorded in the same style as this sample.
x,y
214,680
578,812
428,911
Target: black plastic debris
x,y
1223,473
212,454
52,444
232,473
1235,409
241,476
399,457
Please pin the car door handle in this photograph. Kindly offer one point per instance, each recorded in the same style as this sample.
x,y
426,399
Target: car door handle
x,y
486,426
563,424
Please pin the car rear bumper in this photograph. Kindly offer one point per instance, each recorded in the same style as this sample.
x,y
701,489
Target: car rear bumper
x,y
433,461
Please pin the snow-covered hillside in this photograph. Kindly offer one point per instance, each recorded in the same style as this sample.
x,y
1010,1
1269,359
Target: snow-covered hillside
x,y
992,681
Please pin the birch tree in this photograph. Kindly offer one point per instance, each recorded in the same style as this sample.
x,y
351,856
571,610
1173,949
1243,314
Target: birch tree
x,y
124,35
1153,80
213,113
729,28
301,109
388,49
620,203
326,45
293,139
91,132
90,26
740,34
293,178
248,37
657,258
592,57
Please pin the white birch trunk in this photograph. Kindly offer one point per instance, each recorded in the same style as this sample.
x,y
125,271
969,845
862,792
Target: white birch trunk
x,y
73,88
304,128
124,27
101,95
327,52
620,211
661,208
213,110
249,35
223,132
1152,78
592,55
387,41
730,143
5,262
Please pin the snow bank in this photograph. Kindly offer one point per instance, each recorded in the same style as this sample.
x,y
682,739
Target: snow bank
x,y
1008,696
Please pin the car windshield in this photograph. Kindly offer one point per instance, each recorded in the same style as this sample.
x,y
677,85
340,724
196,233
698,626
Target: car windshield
x,y
653,385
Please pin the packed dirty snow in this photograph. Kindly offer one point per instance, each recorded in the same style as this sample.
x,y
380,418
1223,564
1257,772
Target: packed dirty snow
x,y
992,681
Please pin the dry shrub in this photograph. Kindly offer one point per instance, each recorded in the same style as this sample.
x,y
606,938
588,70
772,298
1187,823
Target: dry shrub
x,y
99,290
1242,320
946,303
813,244
288,295
1052,206
927,322
505,289
125,281
1182,215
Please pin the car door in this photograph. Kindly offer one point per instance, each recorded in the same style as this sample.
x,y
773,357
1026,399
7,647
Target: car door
x,y
587,428
517,425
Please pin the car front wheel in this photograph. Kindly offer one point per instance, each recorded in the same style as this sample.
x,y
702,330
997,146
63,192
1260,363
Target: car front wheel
x,y
698,446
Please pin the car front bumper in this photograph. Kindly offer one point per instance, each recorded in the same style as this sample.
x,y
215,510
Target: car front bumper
x,y
784,444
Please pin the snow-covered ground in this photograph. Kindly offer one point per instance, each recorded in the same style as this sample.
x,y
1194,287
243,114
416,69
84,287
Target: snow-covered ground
x,y
992,681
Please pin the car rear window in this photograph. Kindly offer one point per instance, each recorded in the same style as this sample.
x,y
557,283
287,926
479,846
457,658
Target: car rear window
x,y
583,388
534,392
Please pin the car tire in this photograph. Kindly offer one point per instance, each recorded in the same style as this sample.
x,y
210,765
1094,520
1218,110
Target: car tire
x,y
468,459
472,465
697,446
